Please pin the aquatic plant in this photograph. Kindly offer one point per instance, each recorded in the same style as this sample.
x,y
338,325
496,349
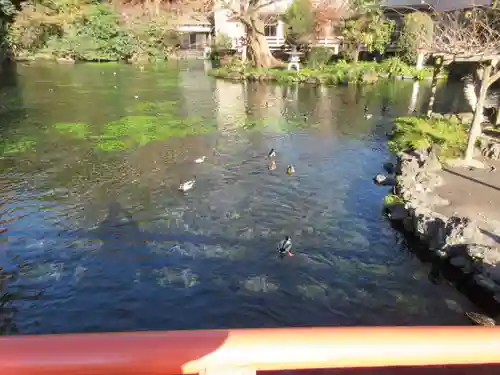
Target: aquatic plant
x,y
23,144
75,129
412,133
391,199
132,131
339,73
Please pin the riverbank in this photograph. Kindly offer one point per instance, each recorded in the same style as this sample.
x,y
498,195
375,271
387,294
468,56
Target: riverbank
x,y
337,74
449,208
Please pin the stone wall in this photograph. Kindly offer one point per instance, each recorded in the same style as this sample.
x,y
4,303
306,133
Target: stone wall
x,y
456,240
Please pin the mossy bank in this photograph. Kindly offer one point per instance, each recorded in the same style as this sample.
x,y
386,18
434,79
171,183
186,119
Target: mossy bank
x,y
453,241
337,74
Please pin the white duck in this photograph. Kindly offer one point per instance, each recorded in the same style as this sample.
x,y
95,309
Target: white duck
x,y
188,185
200,160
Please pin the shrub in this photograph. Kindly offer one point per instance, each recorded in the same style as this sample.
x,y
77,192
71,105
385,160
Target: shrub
x,y
417,32
413,133
318,57
89,30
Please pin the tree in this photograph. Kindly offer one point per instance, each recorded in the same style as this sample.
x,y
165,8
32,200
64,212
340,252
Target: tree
x,y
249,13
299,19
417,33
328,14
370,29
473,36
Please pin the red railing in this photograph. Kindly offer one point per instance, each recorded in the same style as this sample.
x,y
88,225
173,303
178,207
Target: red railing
x,y
220,351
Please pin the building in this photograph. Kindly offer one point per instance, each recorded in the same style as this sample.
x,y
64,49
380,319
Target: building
x,y
274,29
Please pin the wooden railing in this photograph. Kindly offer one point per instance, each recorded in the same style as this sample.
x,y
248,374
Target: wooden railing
x,y
247,350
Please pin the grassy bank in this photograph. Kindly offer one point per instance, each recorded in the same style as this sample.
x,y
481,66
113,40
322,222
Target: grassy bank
x,y
335,74
413,133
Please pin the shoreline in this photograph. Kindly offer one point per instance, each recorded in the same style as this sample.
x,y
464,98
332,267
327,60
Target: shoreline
x,y
457,241
344,75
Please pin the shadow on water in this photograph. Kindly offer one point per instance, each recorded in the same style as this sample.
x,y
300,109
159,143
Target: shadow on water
x,y
112,245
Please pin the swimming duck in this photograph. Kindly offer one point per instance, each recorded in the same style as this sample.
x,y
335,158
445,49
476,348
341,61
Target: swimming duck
x,y
188,185
272,166
290,170
200,160
285,246
367,115
272,153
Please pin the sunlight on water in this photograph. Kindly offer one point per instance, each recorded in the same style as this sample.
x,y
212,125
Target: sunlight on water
x,y
98,236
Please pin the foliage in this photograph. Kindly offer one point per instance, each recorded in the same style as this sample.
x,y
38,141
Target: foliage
x,y
413,133
7,8
319,57
88,30
152,38
299,19
339,73
417,33
391,199
152,122
98,36
371,30
223,41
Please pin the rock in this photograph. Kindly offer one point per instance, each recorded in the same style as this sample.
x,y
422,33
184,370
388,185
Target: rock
x,y
459,261
313,80
491,151
397,211
380,179
408,166
476,251
486,283
460,230
432,163
429,180
408,224
389,167
465,117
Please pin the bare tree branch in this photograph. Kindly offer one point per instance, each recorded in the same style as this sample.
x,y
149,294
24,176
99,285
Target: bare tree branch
x,y
467,33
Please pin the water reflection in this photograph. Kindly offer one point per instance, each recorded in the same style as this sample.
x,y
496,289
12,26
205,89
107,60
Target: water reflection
x,y
122,249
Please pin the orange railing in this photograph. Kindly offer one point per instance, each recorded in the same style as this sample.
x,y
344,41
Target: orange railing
x,y
214,352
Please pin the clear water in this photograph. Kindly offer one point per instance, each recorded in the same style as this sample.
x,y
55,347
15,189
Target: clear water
x,y
102,240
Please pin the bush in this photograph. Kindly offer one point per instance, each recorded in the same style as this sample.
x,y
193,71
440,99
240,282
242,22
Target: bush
x,y
89,31
414,133
339,73
417,33
318,57
98,37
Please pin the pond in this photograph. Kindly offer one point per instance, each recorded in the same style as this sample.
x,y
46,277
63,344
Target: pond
x,y
98,238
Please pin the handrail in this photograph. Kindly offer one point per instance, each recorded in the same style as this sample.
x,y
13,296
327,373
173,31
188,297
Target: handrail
x,y
191,352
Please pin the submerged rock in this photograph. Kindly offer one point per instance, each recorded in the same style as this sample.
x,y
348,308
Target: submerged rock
x,y
380,179
397,211
389,167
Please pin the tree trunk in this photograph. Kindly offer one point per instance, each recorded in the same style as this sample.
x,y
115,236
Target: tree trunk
x,y
475,129
355,54
258,52
437,69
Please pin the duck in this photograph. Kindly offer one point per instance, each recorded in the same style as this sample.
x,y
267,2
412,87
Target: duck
x,y
272,166
285,246
187,185
290,170
272,153
200,160
367,115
